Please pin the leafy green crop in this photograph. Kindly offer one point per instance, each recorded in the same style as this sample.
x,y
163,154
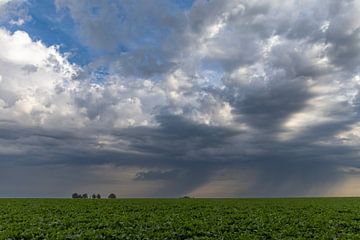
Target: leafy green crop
x,y
322,218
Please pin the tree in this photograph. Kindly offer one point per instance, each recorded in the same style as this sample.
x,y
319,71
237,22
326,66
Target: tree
x,y
93,196
85,195
112,196
98,196
75,195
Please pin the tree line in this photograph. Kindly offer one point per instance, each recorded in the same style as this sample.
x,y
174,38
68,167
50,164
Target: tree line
x,y
93,196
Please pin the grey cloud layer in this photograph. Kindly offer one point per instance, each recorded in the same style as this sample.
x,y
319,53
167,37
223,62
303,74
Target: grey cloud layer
x,y
226,87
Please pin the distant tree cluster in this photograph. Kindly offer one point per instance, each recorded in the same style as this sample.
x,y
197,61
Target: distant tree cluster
x,y
77,195
112,195
93,196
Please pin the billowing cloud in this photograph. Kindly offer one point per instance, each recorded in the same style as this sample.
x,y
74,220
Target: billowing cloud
x,y
223,98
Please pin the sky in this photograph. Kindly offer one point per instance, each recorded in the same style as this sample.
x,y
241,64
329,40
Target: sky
x,y
166,98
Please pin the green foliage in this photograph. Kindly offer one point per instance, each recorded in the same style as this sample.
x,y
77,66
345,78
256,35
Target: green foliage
x,y
112,196
322,218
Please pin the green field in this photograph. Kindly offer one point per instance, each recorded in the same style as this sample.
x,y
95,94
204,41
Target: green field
x,y
321,218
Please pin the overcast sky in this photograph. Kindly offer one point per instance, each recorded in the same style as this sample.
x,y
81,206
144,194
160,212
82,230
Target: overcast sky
x,y
165,98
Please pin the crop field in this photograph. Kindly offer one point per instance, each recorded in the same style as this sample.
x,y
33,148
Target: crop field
x,y
318,218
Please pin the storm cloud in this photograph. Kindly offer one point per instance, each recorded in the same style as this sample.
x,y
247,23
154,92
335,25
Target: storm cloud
x,y
211,98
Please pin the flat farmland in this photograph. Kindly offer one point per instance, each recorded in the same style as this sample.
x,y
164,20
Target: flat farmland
x,y
297,218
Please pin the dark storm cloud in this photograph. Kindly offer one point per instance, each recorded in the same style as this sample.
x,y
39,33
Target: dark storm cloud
x,y
298,60
270,108
285,168
175,144
194,154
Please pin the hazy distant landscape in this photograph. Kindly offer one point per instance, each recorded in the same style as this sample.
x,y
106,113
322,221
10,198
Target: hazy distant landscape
x,y
307,218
